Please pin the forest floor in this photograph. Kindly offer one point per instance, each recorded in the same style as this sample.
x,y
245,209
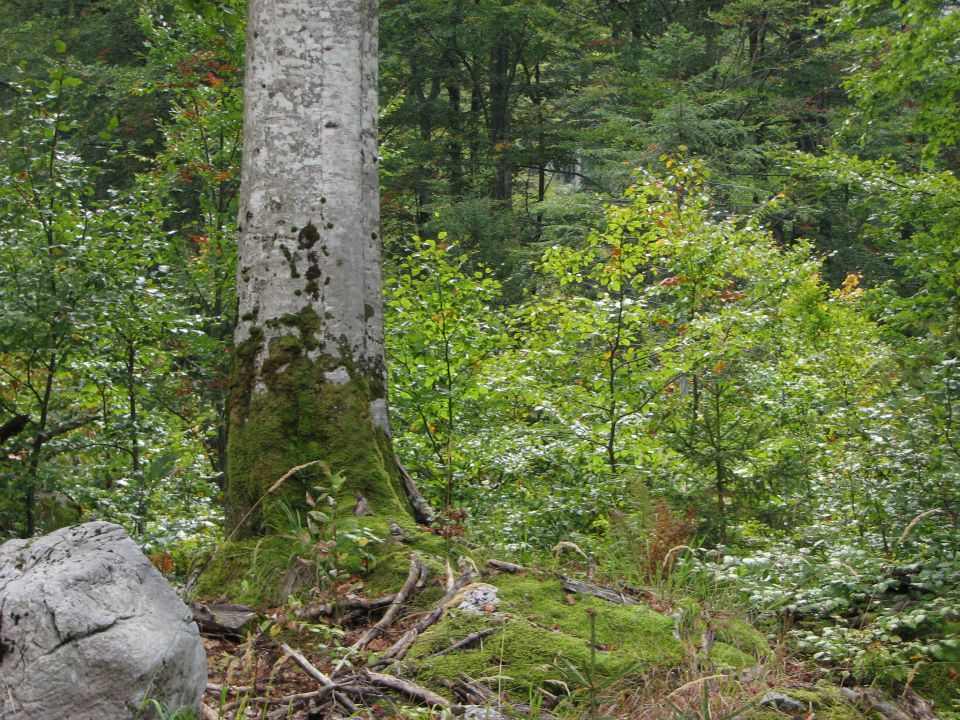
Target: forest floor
x,y
507,641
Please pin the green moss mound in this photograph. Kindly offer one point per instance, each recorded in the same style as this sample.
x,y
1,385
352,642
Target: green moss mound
x,y
739,633
544,641
940,682
266,570
251,572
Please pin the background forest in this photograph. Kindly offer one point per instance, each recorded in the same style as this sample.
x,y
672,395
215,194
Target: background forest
x,y
661,275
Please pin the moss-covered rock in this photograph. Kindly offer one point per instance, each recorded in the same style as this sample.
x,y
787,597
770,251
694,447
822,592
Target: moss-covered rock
x,y
825,702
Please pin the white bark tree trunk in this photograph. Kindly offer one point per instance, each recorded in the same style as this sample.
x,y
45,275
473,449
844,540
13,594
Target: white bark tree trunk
x,y
309,380
310,195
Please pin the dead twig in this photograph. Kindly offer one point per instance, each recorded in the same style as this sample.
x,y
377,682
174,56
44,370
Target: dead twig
x,y
408,688
467,641
391,614
273,488
399,649
912,524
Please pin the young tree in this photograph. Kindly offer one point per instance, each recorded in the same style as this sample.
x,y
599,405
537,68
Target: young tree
x,y
308,381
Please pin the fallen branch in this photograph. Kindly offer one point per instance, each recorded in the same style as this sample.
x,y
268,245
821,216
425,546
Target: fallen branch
x,y
391,614
505,566
911,707
410,689
467,641
604,593
309,668
469,690
352,604
298,698
329,686
294,698
400,648
345,701
217,687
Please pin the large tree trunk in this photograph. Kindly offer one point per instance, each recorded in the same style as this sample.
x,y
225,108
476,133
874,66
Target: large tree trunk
x,y
308,381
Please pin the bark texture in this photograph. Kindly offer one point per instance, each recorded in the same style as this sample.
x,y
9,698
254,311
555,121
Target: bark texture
x,y
308,381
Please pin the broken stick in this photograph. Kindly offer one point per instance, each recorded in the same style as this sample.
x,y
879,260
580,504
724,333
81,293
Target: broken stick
x,y
391,614
399,649
467,641
308,667
410,689
605,593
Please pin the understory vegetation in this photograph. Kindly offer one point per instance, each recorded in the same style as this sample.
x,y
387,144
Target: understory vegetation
x,y
672,303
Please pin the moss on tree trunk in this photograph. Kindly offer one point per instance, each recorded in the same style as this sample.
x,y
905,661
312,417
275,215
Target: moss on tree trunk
x,y
304,406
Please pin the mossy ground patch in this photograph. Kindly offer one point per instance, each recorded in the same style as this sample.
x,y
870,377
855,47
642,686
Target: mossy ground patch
x,y
545,633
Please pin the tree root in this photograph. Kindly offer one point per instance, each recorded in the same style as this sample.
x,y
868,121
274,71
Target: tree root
x,y
339,691
416,569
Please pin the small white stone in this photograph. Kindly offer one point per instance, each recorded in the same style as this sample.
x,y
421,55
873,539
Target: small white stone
x,y
477,597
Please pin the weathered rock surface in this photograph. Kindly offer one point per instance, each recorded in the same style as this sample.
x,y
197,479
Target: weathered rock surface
x,y
222,619
478,598
478,712
89,628
783,703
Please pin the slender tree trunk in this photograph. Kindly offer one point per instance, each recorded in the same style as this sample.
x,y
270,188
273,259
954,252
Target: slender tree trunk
x,y
756,34
36,447
426,111
476,119
455,142
500,121
541,150
308,382
133,419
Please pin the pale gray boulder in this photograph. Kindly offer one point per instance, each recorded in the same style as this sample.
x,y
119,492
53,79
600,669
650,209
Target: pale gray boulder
x,y
89,629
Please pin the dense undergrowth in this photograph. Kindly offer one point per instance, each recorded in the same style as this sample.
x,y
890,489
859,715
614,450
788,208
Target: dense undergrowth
x,y
714,632
710,637
711,340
